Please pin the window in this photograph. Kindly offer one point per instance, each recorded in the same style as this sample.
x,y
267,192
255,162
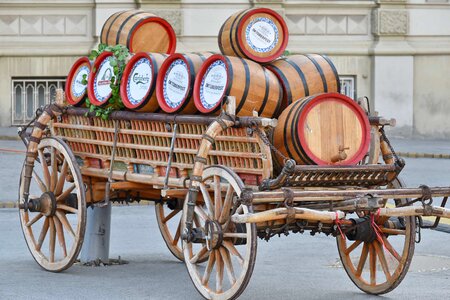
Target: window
x,y
348,86
28,94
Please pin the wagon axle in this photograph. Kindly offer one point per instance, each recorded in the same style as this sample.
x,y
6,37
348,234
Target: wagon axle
x,y
46,204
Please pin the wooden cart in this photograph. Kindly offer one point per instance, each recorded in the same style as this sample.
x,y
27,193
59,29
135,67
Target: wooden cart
x,y
214,179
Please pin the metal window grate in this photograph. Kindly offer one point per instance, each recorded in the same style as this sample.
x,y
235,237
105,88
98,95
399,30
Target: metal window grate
x,y
348,86
28,94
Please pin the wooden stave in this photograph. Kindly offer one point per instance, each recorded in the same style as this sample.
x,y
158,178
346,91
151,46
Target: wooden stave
x,y
150,103
307,70
229,40
243,70
283,135
194,61
120,27
70,77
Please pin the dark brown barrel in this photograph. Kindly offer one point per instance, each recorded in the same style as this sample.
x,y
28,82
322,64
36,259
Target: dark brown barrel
x,y
99,90
75,89
138,84
304,75
255,87
259,34
324,129
176,81
139,31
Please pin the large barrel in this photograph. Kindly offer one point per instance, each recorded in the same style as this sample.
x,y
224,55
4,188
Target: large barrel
x,y
138,84
75,88
139,31
304,75
324,129
255,87
99,89
259,34
176,81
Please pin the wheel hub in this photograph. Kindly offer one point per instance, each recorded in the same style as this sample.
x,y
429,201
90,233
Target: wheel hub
x,y
213,234
46,204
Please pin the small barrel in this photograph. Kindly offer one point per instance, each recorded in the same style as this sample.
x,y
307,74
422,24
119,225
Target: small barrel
x,y
259,34
99,89
138,84
304,75
75,88
324,129
176,81
139,31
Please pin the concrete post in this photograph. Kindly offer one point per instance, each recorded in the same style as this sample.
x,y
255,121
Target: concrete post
x,y
96,239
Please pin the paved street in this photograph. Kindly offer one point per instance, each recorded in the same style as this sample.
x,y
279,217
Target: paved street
x,y
294,267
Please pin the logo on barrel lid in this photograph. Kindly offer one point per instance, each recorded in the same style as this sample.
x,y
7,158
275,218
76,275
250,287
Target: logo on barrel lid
x,y
176,83
102,82
261,35
213,84
139,81
78,88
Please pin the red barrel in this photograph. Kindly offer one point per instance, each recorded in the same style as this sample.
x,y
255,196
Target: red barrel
x,y
99,90
138,83
75,89
176,80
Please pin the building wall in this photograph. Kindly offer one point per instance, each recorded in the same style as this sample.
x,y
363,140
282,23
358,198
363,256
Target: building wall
x,y
398,50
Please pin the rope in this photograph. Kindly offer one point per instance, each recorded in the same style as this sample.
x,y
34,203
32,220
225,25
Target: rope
x,y
377,228
338,224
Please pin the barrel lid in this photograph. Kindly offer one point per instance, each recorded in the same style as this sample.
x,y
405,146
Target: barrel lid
x,y
75,89
172,38
174,84
330,122
212,83
262,35
99,90
138,80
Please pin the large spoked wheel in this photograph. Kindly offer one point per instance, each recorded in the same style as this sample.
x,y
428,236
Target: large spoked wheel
x,y
378,267
168,216
231,247
56,211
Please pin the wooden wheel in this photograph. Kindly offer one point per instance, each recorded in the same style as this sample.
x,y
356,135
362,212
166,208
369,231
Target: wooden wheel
x,y
231,247
379,267
168,216
56,211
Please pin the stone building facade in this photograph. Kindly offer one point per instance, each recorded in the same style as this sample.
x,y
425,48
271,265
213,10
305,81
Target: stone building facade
x,y
396,52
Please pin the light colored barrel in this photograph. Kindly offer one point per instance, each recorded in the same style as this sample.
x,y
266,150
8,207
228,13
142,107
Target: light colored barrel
x,y
305,75
325,129
139,31
99,90
259,34
75,89
255,88
176,81
138,83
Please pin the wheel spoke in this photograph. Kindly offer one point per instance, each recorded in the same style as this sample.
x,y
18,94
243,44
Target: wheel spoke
x,y
177,234
67,208
352,247
201,213
171,215
391,249
207,200
54,175
209,267
42,234
61,179
373,265
45,170
235,235
62,217
199,255
34,220
219,272
362,259
393,231
232,249
39,181
380,252
217,198
228,202
66,193
60,234
52,239
228,265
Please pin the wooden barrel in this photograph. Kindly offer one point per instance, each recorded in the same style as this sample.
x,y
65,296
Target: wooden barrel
x,y
323,129
176,81
75,89
139,31
138,84
99,90
255,87
259,34
304,75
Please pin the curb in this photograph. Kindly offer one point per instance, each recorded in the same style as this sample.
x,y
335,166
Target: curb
x,y
9,138
423,155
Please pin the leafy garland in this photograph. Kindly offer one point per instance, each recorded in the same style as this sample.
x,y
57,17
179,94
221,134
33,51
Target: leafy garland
x,y
118,62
